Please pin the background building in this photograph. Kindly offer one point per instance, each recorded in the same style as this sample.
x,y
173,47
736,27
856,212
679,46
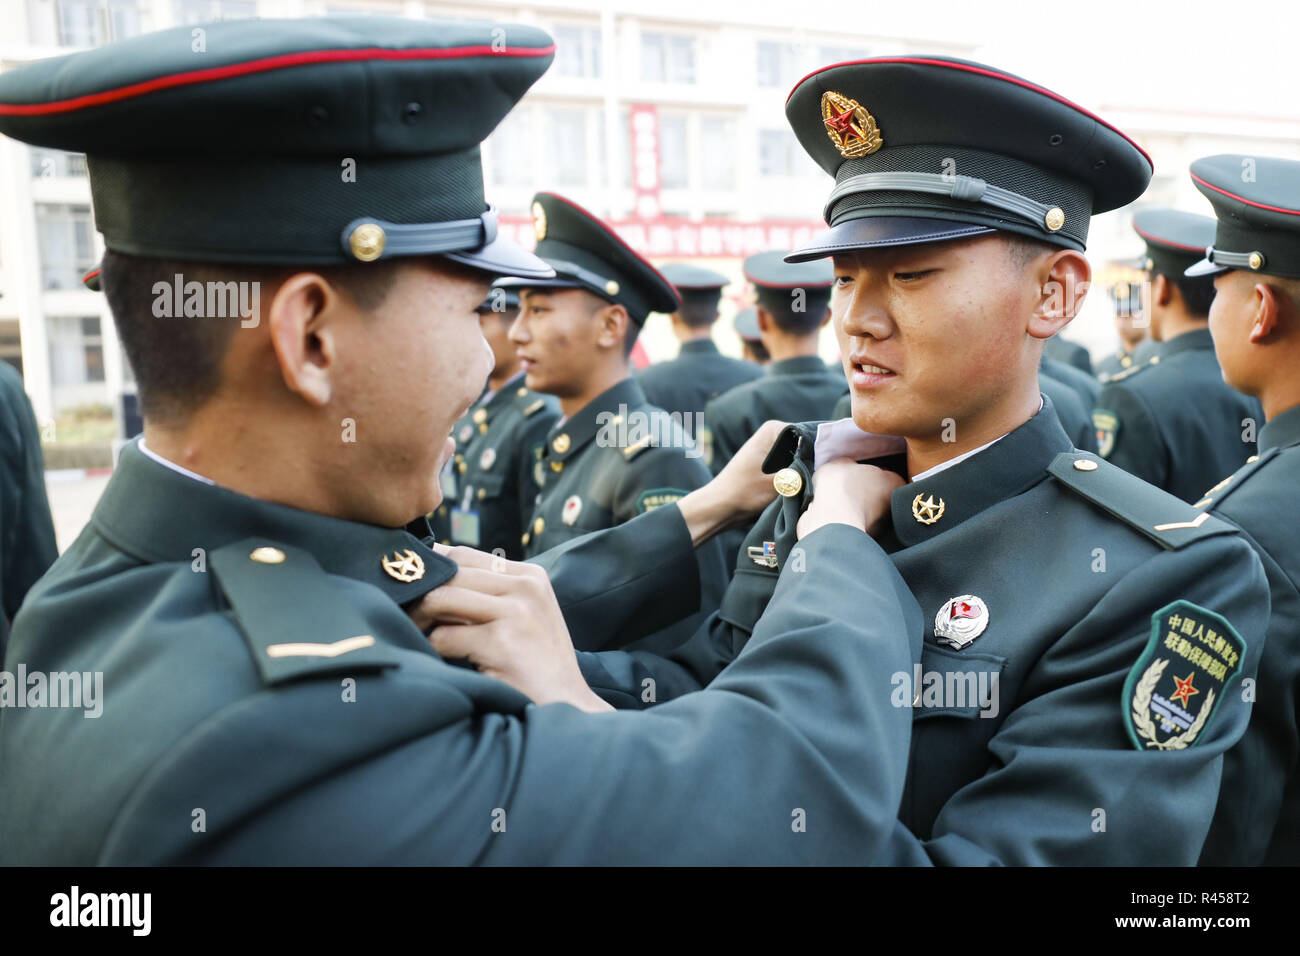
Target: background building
x,y
666,118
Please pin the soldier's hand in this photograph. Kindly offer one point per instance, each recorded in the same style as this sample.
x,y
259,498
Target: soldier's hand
x,y
845,492
502,616
737,493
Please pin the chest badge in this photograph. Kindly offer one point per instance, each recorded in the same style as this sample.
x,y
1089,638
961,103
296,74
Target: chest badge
x,y
572,508
765,556
926,510
487,459
961,620
403,565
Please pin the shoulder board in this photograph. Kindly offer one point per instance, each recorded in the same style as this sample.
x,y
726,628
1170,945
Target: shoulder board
x,y
535,406
638,446
1170,522
1215,495
798,440
1129,372
312,633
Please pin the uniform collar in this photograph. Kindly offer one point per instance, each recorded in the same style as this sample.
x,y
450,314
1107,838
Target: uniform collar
x,y
1197,339
155,514
492,402
1007,467
1281,430
798,365
572,434
699,347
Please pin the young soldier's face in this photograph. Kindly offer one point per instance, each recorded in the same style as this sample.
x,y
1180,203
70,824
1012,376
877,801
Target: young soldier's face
x,y
412,368
1232,314
933,333
555,337
496,331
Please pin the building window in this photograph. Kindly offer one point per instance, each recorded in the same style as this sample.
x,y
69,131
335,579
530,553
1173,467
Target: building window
x,y
577,51
673,167
778,151
667,58
567,132
205,11
65,235
83,22
776,64
48,163
718,150
511,147
76,350
826,55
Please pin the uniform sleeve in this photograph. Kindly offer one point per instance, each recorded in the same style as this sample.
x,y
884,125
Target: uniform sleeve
x,y
30,546
1137,446
796,756
1065,784
726,441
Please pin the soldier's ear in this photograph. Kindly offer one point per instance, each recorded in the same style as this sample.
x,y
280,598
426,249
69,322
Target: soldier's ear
x,y
612,329
1064,279
303,336
765,320
1162,290
1267,309
825,318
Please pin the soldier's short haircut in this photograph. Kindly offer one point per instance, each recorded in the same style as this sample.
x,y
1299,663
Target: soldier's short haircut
x,y
1197,293
1023,250
798,311
699,307
177,360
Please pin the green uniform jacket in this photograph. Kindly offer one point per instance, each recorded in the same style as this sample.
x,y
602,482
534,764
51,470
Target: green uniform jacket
x,y
236,729
1081,572
616,458
28,547
1174,422
1070,353
699,374
793,390
1113,364
1258,820
1084,385
490,486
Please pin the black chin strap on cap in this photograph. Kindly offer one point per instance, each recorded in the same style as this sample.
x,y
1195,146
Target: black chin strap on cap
x,y
963,188
369,239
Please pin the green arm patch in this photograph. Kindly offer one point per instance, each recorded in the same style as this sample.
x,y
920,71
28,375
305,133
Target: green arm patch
x,y
654,497
1181,676
1107,425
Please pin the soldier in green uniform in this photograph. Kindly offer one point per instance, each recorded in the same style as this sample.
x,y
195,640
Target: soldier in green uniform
x,y
1174,422
792,308
685,384
1110,625
27,545
1255,321
1130,329
746,324
1070,353
613,455
243,585
490,486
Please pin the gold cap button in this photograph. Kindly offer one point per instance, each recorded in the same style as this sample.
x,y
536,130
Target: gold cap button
x,y
267,556
1255,260
367,241
1054,219
1085,464
787,482
561,444
611,287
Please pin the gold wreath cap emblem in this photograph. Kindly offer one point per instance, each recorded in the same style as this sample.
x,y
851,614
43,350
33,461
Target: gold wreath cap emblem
x,y
403,565
850,127
927,510
539,221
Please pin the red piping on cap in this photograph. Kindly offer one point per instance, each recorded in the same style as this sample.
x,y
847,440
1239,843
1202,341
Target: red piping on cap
x,y
1167,242
787,285
1257,205
923,61
263,65
90,275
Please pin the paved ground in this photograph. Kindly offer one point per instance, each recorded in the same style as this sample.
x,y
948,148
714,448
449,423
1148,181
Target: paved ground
x,y
72,499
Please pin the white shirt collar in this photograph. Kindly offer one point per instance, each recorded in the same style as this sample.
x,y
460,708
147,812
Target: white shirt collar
x,y
150,453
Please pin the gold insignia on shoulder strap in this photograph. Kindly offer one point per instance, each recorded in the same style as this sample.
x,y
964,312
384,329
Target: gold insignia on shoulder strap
x,y
634,449
1194,523
321,650
535,406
